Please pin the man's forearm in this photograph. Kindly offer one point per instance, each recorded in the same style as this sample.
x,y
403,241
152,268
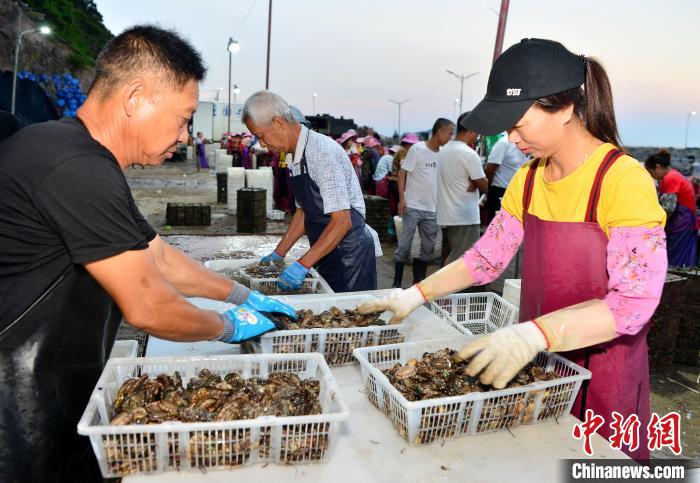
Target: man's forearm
x,y
490,171
332,235
177,319
188,276
402,184
294,232
149,302
482,184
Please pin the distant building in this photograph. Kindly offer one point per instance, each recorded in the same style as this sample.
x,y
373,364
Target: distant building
x,y
425,135
329,125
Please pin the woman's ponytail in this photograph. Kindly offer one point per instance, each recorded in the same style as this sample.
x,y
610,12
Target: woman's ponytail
x,y
598,110
593,103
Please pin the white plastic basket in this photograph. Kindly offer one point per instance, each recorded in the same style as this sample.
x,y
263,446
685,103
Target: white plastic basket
x,y
336,345
268,286
422,422
475,313
175,445
124,348
275,215
511,291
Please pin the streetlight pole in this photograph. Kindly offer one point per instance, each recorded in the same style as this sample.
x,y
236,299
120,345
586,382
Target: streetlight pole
x,y
313,100
18,45
232,47
687,126
398,103
461,78
269,36
454,109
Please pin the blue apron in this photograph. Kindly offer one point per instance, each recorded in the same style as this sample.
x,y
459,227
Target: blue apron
x,y
351,266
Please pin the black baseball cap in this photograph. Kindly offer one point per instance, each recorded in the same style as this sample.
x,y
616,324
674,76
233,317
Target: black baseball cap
x,y
527,71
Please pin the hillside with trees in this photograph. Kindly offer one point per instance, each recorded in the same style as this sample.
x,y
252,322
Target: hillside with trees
x,y
78,24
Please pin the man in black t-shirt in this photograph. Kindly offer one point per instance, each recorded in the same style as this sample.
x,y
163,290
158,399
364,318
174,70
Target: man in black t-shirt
x,y
75,251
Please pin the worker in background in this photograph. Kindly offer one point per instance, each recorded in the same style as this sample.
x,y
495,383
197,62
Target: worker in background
x,y
460,178
372,152
677,197
406,142
330,207
418,201
200,154
503,162
383,171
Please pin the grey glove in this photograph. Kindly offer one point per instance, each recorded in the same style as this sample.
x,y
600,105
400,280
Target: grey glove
x,y
239,294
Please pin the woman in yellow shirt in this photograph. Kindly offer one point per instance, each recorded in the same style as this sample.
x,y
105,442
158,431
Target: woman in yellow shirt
x,y
594,259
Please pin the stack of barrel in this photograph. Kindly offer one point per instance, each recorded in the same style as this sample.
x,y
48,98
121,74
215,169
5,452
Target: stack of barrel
x,y
223,162
188,214
236,159
251,216
377,215
663,336
261,178
236,181
688,345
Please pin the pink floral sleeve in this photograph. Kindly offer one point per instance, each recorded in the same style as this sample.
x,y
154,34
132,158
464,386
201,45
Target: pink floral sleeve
x,y
637,268
489,256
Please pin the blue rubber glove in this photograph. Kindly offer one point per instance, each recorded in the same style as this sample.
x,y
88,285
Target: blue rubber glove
x,y
243,323
263,303
293,277
271,258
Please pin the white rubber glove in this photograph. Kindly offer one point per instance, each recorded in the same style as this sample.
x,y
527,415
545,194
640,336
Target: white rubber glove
x,y
400,302
500,355
581,325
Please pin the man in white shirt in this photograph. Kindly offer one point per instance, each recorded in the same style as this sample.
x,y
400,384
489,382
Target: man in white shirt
x,y
459,175
504,161
418,200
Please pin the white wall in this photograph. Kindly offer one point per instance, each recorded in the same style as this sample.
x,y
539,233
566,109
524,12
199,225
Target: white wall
x,y
210,119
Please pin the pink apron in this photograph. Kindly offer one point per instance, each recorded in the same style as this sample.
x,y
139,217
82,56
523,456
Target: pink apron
x,y
565,263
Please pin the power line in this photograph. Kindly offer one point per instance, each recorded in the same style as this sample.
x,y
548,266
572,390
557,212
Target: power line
x,y
245,17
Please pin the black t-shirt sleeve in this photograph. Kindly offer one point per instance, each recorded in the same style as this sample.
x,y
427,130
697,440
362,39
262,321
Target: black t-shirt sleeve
x,y
88,203
146,230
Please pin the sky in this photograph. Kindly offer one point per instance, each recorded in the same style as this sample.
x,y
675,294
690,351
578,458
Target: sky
x,y
357,55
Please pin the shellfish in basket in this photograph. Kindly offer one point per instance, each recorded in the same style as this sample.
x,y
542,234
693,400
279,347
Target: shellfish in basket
x,y
210,397
443,374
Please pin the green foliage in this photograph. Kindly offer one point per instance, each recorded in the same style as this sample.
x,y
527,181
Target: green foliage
x,y
78,24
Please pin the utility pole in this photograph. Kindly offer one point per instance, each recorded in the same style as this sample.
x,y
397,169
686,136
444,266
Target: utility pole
x,y
269,36
502,17
398,103
228,129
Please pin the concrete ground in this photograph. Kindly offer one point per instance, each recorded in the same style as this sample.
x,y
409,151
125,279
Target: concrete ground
x,y
673,389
